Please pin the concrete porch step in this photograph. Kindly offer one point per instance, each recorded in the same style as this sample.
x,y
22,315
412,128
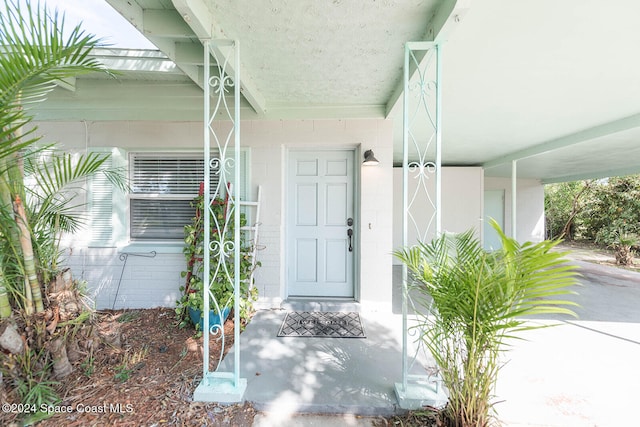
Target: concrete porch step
x,y
320,305
274,419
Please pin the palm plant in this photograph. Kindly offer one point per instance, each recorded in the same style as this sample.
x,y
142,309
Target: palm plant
x,y
623,244
475,302
36,53
58,179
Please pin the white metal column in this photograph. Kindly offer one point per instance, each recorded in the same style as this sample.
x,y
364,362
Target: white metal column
x,y
514,200
216,386
421,200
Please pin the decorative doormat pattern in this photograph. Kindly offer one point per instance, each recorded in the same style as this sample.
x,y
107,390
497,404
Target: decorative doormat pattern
x,y
322,324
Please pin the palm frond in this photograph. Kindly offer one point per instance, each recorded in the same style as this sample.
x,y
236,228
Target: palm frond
x,y
56,175
36,53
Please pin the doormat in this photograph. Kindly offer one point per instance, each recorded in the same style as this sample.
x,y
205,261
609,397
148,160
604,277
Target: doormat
x,y
322,324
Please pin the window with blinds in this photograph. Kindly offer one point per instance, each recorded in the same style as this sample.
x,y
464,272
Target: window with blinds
x,y
162,188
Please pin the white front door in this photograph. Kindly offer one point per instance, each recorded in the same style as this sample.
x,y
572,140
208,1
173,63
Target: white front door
x,y
320,224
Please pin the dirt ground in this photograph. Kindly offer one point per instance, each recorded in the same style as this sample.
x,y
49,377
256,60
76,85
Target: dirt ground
x,y
590,252
149,381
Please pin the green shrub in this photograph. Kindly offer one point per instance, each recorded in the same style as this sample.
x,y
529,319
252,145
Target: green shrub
x,y
221,264
475,302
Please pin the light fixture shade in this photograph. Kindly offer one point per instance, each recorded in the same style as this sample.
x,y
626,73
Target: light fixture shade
x,y
369,158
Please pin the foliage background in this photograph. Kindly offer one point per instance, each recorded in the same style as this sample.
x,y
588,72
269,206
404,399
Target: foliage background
x,y
597,211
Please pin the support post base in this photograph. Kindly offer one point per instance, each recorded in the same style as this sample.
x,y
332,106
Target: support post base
x,y
220,388
418,394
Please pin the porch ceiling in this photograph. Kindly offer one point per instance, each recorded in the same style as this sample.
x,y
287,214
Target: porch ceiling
x,y
552,83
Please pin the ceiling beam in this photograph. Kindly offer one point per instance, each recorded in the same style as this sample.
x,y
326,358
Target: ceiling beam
x,y
165,24
130,10
190,53
150,23
169,48
162,28
446,17
599,131
593,175
198,16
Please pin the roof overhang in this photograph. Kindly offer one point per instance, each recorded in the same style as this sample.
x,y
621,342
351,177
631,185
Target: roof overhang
x,y
519,83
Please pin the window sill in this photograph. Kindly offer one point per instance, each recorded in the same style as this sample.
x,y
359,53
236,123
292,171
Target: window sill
x,y
158,247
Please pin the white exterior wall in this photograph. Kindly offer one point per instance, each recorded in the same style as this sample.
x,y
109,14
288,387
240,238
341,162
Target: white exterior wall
x,y
462,202
529,207
154,281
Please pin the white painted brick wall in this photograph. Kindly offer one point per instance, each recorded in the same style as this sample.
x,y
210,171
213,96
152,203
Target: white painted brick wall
x,y
141,283
155,282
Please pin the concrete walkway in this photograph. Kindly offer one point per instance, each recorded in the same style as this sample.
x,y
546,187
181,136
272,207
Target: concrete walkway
x,y
353,376
583,372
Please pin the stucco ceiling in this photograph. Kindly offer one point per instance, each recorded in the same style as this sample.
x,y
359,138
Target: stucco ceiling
x,y
525,77
552,84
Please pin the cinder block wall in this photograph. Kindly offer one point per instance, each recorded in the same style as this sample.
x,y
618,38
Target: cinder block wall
x,y
148,281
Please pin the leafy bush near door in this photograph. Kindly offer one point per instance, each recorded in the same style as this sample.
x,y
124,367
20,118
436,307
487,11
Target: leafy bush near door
x,y
221,266
476,301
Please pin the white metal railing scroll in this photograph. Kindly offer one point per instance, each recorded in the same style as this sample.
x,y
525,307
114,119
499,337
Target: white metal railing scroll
x,y
222,237
421,194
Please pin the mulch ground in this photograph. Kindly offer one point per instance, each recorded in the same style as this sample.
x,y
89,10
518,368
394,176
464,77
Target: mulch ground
x,y
148,381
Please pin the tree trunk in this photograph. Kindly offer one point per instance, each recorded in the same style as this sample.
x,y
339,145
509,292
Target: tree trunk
x,y
624,255
27,298
61,365
5,204
27,253
10,339
5,307
575,209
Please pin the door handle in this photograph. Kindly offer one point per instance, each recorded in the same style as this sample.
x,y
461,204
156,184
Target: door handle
x,y
350,234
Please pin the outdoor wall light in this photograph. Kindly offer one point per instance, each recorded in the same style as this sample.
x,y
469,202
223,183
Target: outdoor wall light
x,y
369,159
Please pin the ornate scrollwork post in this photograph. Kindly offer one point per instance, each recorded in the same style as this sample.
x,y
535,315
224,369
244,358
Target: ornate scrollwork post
x,y
421,197
222,237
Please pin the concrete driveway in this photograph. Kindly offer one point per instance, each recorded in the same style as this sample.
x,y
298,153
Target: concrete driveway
x,y
585,371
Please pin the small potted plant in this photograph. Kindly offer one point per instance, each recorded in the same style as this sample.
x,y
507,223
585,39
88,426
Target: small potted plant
x,y
190,306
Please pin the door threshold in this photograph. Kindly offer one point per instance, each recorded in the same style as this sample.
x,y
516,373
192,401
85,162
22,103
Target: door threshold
x,y
320,304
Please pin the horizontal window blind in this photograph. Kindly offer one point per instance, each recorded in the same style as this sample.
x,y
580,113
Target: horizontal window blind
x,y
164,175
162,189
160,219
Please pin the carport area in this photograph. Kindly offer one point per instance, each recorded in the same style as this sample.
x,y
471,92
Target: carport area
x,y
580,373
583,372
